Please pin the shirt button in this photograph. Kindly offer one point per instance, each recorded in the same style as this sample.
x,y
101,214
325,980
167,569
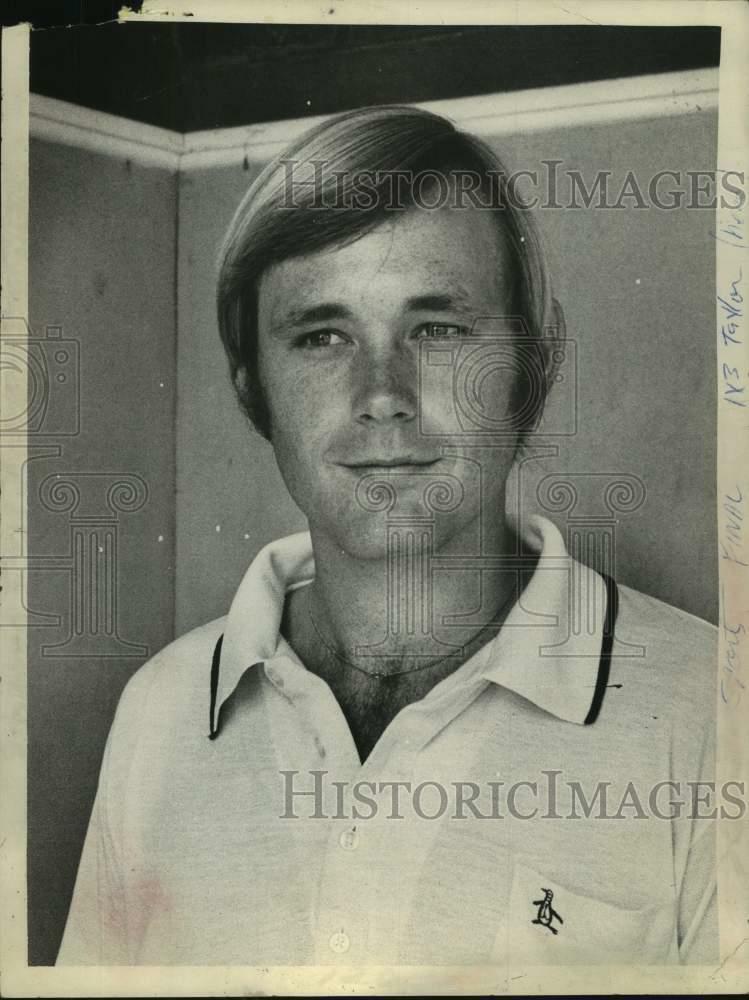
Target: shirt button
x,y
349,839
339,942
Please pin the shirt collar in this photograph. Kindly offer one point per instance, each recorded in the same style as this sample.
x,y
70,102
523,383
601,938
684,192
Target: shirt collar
x,y
548,650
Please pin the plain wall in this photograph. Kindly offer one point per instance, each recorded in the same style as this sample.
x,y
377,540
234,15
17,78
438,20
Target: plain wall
x,y
102,255
646,371
231,499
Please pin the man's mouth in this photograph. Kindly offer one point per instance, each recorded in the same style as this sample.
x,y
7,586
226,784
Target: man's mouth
x,y
377,462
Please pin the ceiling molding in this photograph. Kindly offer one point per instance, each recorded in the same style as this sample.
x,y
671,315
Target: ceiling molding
x,y
72,125
526,111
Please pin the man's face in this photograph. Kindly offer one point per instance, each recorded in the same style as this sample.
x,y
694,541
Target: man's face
x,y
340,335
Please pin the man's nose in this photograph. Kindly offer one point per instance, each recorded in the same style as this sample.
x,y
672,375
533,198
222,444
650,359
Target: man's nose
x,y
385,385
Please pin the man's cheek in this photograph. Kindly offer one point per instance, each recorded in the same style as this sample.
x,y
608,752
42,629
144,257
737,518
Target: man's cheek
x,y
468,403
292,453
299,450
302,401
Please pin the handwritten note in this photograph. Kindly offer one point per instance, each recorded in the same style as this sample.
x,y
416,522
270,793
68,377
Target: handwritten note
x,y
731,331
731,543
733,381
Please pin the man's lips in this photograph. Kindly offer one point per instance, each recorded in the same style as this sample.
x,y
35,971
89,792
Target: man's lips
x,y
389,462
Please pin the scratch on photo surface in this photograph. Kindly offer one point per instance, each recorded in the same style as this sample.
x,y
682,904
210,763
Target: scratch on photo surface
x,y
741,944
576,13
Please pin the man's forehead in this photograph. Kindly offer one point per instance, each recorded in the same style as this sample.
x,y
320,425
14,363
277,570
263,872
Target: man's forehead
x,y
314,306
450,252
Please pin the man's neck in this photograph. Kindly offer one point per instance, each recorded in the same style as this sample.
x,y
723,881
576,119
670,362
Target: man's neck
x,y
380,645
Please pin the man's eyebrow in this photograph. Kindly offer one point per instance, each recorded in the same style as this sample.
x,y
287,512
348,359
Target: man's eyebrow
x,y
312,314
326,311
439,301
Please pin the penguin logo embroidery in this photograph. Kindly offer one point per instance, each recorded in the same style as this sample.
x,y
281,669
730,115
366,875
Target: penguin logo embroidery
x,y
546,912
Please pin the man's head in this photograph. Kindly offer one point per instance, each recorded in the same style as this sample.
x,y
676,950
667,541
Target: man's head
x,y
377,230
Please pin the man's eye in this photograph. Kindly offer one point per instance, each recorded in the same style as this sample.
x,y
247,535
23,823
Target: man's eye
x,y
442,330
320,338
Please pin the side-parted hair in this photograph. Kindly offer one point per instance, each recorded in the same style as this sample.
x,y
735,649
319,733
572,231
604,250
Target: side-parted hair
x,y
311,197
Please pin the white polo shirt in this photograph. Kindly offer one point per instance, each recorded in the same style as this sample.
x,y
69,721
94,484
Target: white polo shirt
x,y
494,820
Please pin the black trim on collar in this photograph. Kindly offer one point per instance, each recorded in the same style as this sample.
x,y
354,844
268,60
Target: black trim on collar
x,y
604,665
213,732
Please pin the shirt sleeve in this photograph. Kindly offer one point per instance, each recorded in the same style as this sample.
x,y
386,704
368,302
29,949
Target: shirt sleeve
x,y
698,933
698,900
693,757
96,929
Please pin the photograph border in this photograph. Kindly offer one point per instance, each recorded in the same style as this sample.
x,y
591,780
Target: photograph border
x,y
731,974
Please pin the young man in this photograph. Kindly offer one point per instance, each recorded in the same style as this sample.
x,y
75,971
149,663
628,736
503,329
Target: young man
x,y
415,756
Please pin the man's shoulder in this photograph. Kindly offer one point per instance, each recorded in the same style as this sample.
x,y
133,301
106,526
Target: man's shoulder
x,y
177,673
670,629
670,654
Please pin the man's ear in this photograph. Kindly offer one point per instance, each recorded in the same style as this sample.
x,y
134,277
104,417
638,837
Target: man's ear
x,y
555,336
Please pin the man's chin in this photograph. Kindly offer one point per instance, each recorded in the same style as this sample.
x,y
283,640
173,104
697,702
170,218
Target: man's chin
x,y
364,537
377,537
382,512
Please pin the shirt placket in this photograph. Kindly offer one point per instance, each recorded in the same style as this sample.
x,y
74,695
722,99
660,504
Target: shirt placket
x,y
369,864
350,928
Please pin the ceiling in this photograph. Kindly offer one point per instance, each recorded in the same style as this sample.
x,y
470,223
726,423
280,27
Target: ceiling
x,y
187,77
